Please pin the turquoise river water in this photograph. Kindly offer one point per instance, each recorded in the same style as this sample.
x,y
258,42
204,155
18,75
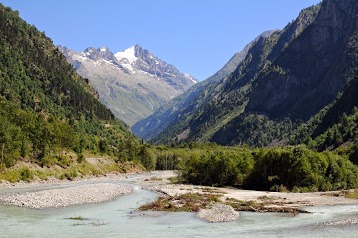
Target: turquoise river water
x,y
119,218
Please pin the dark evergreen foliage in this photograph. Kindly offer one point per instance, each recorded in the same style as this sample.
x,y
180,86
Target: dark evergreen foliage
x,y
277,169
45,106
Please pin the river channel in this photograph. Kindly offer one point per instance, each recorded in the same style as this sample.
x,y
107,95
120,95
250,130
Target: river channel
x,y
120,218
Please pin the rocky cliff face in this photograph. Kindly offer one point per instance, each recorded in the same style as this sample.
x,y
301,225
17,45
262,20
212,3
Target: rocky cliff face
x,y
284,80
309,71
305,70
133,83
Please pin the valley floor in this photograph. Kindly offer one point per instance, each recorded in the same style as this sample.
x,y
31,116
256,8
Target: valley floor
x,y
158,181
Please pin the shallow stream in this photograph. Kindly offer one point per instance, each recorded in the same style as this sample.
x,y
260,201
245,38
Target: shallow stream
x,y
119,218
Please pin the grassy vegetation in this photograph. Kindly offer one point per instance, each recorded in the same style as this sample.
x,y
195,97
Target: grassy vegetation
x,y
266,205
353,194
78,218
17,174
155,178
193,202
294,168
188,202
68,170
344,193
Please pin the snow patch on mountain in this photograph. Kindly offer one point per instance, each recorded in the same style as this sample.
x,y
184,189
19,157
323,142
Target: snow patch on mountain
x,y
128,54
132,83
188,76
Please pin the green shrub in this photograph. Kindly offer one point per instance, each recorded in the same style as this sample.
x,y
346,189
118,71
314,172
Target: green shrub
x,y
295,189
49,161
71,173
64,161
26,174
294,168
80,158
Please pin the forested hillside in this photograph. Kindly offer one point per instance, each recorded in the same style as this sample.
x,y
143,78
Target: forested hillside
x,y
46,107
182,108
292,87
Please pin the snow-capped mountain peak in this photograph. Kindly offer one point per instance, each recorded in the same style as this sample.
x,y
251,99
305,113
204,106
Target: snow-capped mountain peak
x,y
88,50
132,83
97,54
133,60
128,54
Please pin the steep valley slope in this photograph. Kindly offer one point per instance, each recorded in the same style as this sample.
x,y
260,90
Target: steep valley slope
x,y
198,95
291,80
46,107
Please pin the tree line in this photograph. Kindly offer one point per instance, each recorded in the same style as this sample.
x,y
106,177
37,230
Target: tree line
x,y
291,168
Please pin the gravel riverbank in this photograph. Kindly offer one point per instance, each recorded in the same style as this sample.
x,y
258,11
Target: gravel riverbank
x,y
218,213
52,198
107,187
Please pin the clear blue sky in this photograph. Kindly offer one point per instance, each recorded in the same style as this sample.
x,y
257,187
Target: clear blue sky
x,y
196,36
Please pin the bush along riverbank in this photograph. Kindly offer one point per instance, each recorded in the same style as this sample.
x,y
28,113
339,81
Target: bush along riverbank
x,y
296,169
210,203
290,168
68,167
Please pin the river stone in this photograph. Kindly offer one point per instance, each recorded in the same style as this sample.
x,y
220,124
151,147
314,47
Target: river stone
x,y
218,213
345,222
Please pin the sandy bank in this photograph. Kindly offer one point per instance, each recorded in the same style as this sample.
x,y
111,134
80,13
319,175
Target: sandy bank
x,y
275,198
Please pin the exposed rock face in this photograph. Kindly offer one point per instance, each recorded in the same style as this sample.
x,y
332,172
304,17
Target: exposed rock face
x,y
309,69
299,78
133,83
283,81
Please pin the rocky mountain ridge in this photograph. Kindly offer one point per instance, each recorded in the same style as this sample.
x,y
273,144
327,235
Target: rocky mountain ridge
x,y
197,96
284,80
132,83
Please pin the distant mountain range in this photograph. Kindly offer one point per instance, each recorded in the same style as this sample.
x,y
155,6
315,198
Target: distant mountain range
x,y
133,83
293,86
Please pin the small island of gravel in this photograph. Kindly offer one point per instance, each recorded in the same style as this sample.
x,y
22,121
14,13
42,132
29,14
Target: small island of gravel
x,y
218,213
53,198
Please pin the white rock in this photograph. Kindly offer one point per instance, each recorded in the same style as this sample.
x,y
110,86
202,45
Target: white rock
x,y
218,213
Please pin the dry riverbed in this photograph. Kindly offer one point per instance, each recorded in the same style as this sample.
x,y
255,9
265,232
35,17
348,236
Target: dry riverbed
x,y
183,197
52,198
